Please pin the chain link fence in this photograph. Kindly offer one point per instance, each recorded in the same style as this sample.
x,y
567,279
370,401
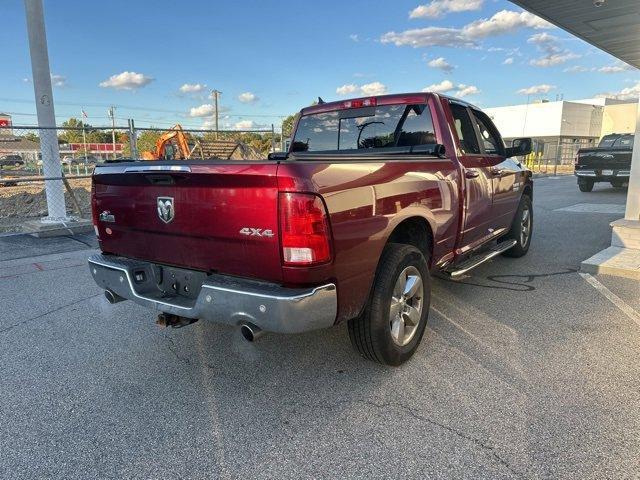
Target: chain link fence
x,y
556,155
23,196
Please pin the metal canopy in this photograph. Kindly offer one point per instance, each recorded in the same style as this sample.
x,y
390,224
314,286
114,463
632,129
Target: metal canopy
x,y
613,27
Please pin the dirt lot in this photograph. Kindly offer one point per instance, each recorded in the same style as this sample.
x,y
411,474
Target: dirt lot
x,y
27,201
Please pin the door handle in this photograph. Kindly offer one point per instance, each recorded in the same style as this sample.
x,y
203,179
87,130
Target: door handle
x,y
495,171
471,173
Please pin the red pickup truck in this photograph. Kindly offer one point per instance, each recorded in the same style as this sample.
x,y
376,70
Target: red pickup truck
x,y
373,195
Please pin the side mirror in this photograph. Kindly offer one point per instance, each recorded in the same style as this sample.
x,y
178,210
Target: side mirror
x,y
519,147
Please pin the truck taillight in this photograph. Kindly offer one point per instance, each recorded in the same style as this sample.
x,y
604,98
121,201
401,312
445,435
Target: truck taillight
x,y
360,102
94,209
304,229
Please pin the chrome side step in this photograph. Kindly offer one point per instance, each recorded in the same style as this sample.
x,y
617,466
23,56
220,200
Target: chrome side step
x,y
459,269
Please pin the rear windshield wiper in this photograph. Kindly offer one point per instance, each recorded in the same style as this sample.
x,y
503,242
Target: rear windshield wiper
x,y
435,149
278,155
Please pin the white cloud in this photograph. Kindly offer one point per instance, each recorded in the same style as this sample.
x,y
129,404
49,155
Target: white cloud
x,y
554,54
373,88
536,89
629,93
442,87
617,67
508,61
247,97
244,125
542,38
204,110
438,8
192,87
446,86
504,21
208,124
347,89
576,69
127,81
552,59
465,90
429,37
354,37
58,80
441,64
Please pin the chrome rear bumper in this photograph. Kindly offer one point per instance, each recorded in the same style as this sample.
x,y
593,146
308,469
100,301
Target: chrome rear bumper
x,y
220,298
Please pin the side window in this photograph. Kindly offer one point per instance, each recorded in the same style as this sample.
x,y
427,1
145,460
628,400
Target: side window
x,y
464,129
491,140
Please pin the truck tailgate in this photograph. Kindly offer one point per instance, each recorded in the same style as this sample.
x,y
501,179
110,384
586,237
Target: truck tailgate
x,y
204,216
604,158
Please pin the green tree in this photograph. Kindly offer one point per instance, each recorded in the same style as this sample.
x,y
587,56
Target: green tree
x,y
72,131
287,125
32,137
97,136
147,141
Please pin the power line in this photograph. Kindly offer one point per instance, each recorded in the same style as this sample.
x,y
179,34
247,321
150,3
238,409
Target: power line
x,y
140,108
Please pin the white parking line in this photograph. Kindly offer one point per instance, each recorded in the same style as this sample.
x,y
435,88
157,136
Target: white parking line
x,y
613,298
612,208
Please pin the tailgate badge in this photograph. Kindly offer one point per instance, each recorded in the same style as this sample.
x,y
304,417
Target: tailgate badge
x,y
107,216
165,209
256,232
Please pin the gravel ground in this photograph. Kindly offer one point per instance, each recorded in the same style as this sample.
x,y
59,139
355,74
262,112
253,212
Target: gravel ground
x,y
525,371
27,201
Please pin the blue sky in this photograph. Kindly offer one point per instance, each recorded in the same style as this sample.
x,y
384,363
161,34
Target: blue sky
x,y
270,58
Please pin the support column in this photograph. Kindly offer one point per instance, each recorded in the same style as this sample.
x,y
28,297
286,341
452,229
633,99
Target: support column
x,y
622,258
46,114
632,211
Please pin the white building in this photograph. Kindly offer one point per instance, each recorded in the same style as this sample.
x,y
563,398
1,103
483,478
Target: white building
x,y
560,128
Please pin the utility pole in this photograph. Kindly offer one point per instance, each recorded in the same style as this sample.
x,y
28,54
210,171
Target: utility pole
x,y
84,136
214,95
112,114
133,140
46,113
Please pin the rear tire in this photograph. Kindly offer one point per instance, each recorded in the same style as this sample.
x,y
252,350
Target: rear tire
x,y
617,184
393,322
585,184
521,229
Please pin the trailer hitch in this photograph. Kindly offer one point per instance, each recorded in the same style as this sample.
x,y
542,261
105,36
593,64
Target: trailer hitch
x,y
174,321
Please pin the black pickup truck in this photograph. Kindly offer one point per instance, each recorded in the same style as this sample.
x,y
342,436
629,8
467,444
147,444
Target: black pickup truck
x,y
609,162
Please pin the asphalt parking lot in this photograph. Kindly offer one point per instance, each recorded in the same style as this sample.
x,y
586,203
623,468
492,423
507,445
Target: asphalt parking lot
x,y
526,371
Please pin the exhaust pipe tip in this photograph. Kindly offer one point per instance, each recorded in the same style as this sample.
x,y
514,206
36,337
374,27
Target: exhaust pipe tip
x,y
250,332
112,297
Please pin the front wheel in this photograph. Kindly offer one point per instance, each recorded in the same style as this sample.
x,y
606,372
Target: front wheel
x,y
585,184
391,327
521,229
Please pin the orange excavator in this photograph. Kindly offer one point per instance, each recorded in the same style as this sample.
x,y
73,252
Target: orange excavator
x,y
172,145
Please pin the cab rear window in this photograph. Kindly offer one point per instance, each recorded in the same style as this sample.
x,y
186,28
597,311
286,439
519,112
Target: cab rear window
x,y
365,128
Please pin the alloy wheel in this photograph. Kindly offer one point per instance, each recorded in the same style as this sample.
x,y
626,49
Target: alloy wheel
x,y
405,310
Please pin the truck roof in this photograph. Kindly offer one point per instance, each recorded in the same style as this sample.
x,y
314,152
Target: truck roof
x,y
392,99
